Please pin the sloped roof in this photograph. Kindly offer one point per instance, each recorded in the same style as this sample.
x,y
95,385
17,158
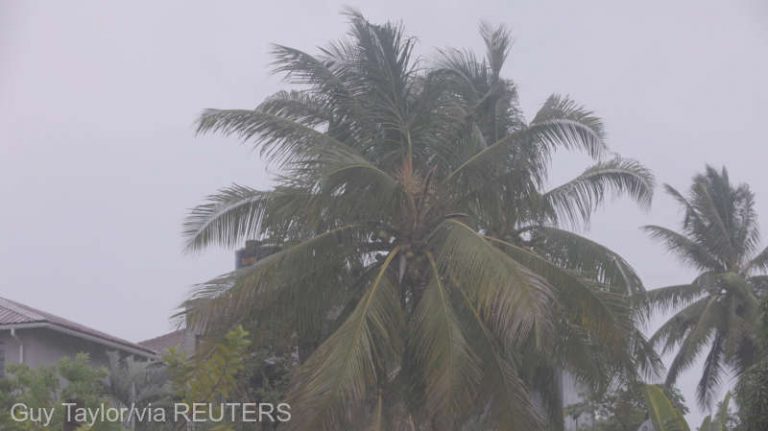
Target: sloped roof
x,y
165,342
14,315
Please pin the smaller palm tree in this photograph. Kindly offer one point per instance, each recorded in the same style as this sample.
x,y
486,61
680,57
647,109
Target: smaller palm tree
x,y
719,309
135,383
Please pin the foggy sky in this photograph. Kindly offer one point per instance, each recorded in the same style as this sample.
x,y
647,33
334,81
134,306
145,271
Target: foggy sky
x,y
99,162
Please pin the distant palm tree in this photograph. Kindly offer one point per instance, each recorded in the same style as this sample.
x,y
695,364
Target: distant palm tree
x,y
718,311
136,383
419,264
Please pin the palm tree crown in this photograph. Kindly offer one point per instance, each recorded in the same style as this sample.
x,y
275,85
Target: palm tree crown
x,y
421,268
718,310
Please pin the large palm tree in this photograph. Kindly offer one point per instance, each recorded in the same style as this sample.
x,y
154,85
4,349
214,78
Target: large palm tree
x,y
421,268
719,309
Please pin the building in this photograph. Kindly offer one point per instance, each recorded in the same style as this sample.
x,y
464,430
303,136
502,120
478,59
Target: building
x,y
182,340
36,338
253,251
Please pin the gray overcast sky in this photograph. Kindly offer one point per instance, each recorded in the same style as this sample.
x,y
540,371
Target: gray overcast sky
x,y
99,162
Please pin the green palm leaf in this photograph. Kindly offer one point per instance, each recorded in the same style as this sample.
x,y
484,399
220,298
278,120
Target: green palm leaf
x,y
360,354
664,415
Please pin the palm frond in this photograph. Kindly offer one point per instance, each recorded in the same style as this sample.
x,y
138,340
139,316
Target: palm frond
x,y
546,135
664,415
515,301
695,340
510,401
577,199
300,106
451,368
325,75
588,127
603,314
686,249
280,139
359,355
497,43
674,330
230,216
713,370
672,297
582,255
233,297
758,263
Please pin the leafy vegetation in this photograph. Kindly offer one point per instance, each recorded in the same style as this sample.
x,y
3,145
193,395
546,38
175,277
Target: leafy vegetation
x,y
719,310
752,389
72,380
212,377
419,271
622,408
722,420
422,268
662,411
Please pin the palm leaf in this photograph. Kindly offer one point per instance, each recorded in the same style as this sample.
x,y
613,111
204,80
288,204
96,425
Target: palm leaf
x,y
577,199
686,249
281,139
451,368
357,356
664,415
582,255
695,340
228,218
672,297
233,297
516,301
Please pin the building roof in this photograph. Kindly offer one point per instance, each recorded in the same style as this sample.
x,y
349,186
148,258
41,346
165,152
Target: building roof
x,y
18,316
166,341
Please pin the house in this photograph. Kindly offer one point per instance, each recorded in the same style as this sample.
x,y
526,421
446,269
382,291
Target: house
x,y
36,338
182,340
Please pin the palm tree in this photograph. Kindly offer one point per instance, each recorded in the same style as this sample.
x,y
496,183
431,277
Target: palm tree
x,y
135,383
719,309
420,266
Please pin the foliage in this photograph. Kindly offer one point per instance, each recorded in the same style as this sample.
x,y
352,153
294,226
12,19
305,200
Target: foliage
x,y
723,420
719,309
662,411
752,397
130,382
70,380
631,407
213,377
423,271
752,388
623,408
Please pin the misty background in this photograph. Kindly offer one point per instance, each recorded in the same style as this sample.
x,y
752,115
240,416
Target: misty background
x,y
99,161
